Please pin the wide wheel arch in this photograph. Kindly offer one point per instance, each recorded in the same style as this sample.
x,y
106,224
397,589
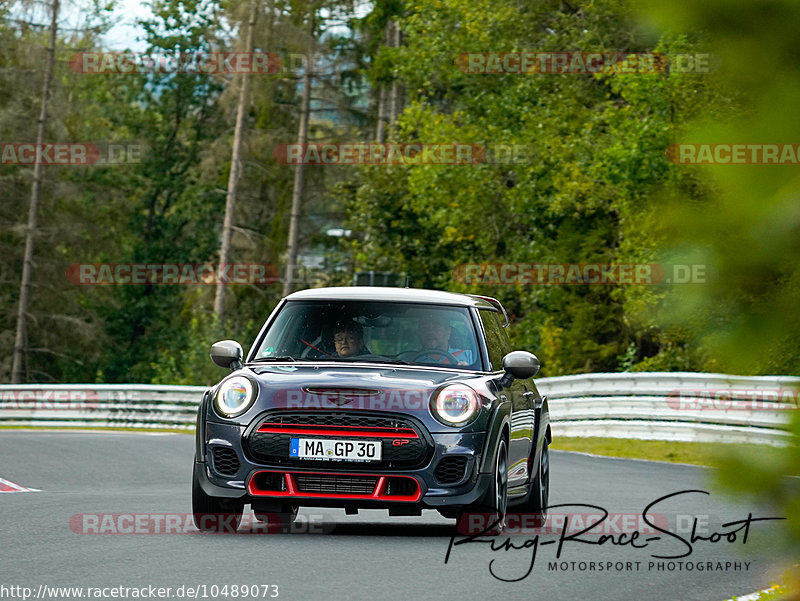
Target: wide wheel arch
x,y
499,425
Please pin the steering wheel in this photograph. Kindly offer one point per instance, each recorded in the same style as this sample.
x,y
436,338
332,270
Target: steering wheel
x,y
310,348
434,352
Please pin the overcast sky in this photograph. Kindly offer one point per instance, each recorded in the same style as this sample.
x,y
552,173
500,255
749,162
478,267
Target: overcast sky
x,y
73,16
124,34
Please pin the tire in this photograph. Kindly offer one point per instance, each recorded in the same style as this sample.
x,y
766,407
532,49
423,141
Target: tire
x,y
539,496
489,517
214,514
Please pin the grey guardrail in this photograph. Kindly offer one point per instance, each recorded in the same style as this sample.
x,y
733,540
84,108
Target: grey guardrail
x,y
100,405
658,406
679,406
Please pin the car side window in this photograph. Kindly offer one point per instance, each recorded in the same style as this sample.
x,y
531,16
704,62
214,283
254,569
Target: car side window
x,y
496,340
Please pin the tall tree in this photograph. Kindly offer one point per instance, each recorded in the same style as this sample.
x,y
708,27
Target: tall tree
x,y
18,365
299,170
236,165
396,95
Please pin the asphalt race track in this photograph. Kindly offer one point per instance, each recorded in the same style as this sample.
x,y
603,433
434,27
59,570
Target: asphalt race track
x,y
366,556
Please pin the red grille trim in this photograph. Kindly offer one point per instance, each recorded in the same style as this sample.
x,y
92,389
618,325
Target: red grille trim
x,y
379,493
371,432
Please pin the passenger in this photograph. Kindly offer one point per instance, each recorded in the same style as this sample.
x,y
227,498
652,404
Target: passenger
x,y
348,338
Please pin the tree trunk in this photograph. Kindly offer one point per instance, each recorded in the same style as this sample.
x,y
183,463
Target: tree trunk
x,y
395,103
383,92
380,131
297,192
18,361
235,172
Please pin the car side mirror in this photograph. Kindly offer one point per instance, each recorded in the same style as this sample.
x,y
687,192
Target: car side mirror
x,y
519,365
227,353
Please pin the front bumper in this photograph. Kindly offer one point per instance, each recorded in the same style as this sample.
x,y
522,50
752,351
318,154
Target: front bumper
x,y
244,477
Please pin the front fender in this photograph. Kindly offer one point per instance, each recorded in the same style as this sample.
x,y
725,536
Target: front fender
x,y
200,431
541,435
501,418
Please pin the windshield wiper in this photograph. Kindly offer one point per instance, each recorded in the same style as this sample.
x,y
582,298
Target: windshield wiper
x,y
266,359
387,360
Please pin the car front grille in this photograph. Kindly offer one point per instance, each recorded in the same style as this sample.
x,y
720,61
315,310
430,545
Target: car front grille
x,y
450,470
404,444
226,461
371,487
333,484
339,418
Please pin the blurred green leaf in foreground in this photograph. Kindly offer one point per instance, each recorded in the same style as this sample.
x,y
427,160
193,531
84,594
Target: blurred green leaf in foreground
x,y
749,228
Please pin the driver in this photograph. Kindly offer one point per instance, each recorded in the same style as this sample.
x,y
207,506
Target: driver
x,y
348,338
434,335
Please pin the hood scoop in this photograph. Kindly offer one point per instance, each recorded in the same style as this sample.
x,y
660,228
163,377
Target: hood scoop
x,y
342,396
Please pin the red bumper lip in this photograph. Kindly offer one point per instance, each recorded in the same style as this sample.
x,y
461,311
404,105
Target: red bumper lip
x,y
379,493
359,431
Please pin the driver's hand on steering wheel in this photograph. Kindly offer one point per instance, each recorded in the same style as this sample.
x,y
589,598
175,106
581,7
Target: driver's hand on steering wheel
x,y
439,356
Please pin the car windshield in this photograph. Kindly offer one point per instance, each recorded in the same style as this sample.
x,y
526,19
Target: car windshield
x,y
362,331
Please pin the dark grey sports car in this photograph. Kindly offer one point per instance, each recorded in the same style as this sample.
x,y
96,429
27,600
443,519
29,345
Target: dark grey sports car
x,y
368,397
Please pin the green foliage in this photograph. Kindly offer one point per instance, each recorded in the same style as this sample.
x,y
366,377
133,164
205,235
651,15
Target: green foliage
x,y
747,225
167,208
186,360
585,194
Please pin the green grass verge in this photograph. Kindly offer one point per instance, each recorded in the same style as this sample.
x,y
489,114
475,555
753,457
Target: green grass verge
x,y
98,429
695,453
785,591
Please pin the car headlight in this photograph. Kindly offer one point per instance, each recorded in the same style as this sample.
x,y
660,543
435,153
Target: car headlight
x,y
234,396
455,405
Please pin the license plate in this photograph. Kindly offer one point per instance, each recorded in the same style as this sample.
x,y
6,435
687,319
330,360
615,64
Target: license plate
x,y
325,449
